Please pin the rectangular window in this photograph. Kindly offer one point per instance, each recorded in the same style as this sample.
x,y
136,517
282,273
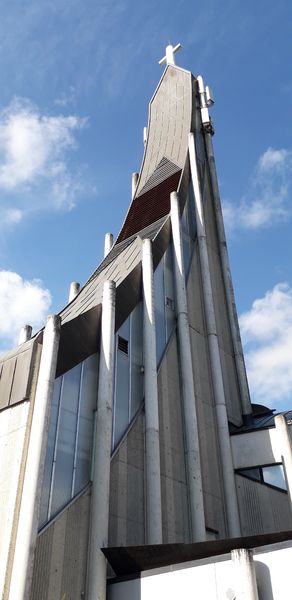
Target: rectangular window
x,y
69,448
88,403
137,378
129,379
50,452
65,443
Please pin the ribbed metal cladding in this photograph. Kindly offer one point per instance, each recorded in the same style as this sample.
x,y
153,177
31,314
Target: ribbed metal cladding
x,y
149,207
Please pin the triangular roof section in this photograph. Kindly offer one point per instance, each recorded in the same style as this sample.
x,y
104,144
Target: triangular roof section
x,y
166,148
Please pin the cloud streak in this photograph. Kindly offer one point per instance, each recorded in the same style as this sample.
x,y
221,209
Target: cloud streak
x,y
266,202
267,336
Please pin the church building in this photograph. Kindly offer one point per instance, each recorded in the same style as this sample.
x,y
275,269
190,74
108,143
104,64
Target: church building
x,y
128,439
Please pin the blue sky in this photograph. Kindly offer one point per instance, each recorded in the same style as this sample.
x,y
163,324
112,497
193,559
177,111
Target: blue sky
x,y
76,79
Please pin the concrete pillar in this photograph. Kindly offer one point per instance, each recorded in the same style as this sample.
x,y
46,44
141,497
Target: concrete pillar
x,y
25,334
232,513
135,177
103,445
285,445
108,242
229,291
153,480
245,576
198,529
145,133
31,493
74,290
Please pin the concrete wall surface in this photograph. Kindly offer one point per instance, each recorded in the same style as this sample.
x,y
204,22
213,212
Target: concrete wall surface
x,y
229,374
13,423
210,458
126,511
175,518
61,554
211,579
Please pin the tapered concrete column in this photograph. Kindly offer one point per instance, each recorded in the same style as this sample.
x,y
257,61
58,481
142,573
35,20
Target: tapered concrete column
x,y
153,480
135,177
198,529
232,513
285,445
103,445
74,290
229,291
245,575
108,242
25,334
32,484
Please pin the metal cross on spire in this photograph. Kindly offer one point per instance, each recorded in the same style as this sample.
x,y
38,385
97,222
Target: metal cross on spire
x,y
169,54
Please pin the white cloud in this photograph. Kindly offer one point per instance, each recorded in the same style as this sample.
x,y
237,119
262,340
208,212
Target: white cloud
x,y
272,159
66,97
267,335
266,202
34,156
21,302
11,216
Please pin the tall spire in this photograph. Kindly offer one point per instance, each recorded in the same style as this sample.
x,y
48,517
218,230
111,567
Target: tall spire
x,y
169,54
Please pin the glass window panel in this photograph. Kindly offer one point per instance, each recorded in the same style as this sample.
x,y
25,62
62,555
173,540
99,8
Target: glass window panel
x,y
50,453
159,301
136,349
169,291
121,408
66,440
252,473
274,475
88,403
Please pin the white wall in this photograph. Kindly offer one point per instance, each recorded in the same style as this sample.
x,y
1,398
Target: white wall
x,y
13,423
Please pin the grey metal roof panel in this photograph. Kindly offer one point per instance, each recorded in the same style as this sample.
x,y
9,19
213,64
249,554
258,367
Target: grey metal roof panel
x,y
170,114
113,271
169,123
16,351
116,266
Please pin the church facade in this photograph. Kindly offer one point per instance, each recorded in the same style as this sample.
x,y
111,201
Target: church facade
x,y
127,420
